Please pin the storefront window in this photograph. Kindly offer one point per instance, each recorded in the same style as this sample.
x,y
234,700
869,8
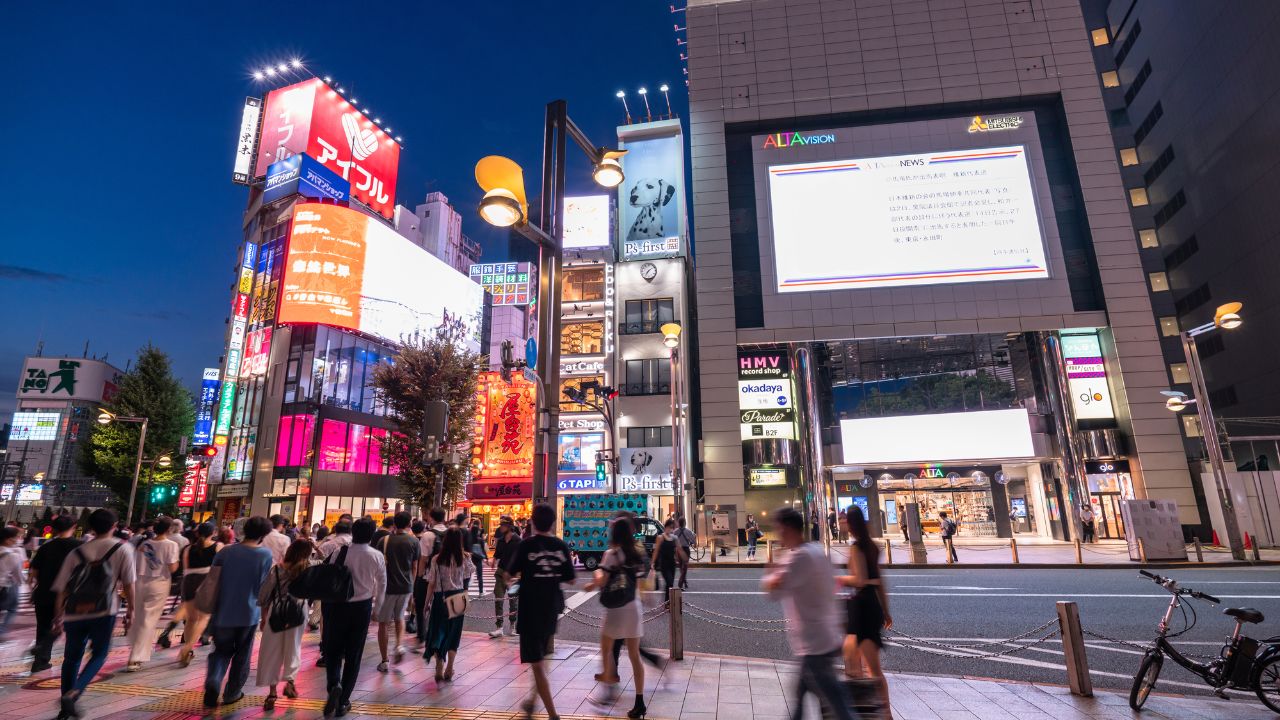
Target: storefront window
x,y
333,442
377,436
584,338
294,440
578,452
584,285
639,437
358,449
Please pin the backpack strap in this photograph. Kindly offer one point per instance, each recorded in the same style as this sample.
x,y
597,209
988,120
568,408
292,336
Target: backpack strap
x,y
342,556
110,552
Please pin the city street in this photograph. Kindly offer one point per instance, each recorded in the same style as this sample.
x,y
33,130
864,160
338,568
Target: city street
x,y
959,605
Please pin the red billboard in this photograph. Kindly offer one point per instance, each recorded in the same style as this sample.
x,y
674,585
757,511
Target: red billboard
x,y
503,445
312,117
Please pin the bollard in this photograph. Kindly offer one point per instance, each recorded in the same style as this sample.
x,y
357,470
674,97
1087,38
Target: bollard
x,y
946,548
1079,555
677,624
712,546
1073,649
1257,553
768,551
888,551
1142,551
1199,550
1013,547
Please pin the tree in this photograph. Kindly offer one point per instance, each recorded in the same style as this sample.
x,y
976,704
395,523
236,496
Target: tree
x,y
148,390
432,368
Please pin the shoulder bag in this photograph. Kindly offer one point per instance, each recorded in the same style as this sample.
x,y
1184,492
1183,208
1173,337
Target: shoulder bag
x,y
326,582
285,612
207,594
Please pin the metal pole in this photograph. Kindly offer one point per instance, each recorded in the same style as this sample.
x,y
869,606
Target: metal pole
x,y
151,486
12,512
553,198
1209,432
677,473
137,470
811,443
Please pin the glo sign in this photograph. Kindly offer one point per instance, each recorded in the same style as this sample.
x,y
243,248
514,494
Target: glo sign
x,y
1087,381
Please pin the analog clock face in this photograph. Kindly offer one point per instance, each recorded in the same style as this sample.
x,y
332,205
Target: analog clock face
x,y
649,271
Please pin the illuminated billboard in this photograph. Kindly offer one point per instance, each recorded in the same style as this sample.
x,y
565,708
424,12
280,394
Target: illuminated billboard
x,y
310,117
34,426
209,385
51,378
586,222
509,283
651,215
1087,381
346,269
257,350
1004,434
302,175
504,425
903,220
247,140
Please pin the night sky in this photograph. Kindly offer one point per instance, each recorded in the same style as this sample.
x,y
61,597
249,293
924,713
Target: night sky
x,y
121,222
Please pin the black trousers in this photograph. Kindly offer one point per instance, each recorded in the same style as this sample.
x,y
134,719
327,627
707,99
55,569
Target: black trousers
x,y
669,578
420,608
45,605
347,624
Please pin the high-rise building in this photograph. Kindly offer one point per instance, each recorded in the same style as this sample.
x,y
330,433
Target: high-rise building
x,y
436,227
1189,89
918,286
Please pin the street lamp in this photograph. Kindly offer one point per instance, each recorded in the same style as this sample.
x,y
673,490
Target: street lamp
x,y
106,417
506,205
1226,317
671,338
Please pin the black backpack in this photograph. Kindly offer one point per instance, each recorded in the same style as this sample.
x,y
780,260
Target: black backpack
x,y
90,586
284,612
620,588
326,582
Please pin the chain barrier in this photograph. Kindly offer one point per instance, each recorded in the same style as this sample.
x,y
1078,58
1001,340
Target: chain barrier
x,y
1100,636
729,617
695,615
969,646
973,655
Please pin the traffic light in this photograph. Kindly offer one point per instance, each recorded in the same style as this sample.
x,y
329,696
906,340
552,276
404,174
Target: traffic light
x,y
602,471
608,392
204,451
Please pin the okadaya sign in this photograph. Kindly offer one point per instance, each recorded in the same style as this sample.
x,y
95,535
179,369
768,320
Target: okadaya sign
x,y
765,395
645,470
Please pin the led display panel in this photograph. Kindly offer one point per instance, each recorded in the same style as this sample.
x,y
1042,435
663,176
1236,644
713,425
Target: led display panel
x,y
348,270
503,443
936,438
906,220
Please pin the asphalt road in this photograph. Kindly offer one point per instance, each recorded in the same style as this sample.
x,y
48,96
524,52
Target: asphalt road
x,y
951,605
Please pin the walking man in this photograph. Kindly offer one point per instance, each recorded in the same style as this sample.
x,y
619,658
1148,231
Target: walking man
x,y
400,552
157,561
276,541
805,584
12,556
541,564
236,615
346,624
504,548
88,603
45,566
684,541
427,545
947,527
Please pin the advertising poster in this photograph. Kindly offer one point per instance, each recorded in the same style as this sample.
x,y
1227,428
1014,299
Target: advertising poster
x,y
765,395
257,350
1087,381
303,175
578,451
651,198
208,400
503,441
67,379
587,222
645,470
348,270
247,140
36,426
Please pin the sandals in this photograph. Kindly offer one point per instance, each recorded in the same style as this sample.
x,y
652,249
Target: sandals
x,y
290,691
269,703
184,657
448,675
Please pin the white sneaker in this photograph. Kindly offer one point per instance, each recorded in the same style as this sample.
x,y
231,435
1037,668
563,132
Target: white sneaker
x,y
496,633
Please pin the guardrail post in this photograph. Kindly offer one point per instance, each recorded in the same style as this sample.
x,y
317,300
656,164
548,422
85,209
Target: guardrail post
x,y
1199,550
676,605
768,551
1079,555
1142,551
946,548
712,550
888,551
1073,649
1013,548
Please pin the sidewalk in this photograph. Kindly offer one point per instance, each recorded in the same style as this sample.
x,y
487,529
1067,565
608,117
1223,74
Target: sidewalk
x,y
491,684
1033,552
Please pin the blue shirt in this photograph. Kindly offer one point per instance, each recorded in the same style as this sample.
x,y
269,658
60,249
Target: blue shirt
x,y
243,571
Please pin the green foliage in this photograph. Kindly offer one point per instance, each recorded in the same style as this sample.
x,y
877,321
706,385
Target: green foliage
x,y
432,368
148,390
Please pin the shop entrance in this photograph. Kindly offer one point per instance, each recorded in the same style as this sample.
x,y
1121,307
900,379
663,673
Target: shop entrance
x,y
968,495
1109,483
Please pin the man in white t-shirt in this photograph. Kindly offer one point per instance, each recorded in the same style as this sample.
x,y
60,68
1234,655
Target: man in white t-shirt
x,y
157,560
276,541
175,534
83,621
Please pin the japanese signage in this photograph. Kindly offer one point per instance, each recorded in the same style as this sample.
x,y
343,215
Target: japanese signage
x,y
67,379
257,351
765,404
235,490
767,477
504,426
645,470
34,426
246,141
581,484
303,175
310,117
587,222
1087,379
204,407
509,283
505,491
994,123
195,483
651,199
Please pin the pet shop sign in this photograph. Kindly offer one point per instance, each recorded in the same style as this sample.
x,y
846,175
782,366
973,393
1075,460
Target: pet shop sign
x,y
645,470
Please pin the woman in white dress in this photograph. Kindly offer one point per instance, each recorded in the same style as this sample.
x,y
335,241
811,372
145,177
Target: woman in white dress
x,y
623,614
280,652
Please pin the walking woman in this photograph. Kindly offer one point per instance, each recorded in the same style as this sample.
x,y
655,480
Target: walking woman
x,y
479,554
665,557
623,614
196,560
280,652
157,560
868,608
447,576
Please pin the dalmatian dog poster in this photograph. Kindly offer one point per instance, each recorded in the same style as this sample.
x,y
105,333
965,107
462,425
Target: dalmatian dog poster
x,y
651,198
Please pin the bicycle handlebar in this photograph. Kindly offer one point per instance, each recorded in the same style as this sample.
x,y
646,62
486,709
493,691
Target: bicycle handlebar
x,y
1172,586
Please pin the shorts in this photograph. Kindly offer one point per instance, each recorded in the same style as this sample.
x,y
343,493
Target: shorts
x,y
865,616
535,644
392,609
190,584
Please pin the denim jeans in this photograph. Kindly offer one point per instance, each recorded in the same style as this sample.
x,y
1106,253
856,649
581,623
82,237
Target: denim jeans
x,y
819,677
8,606
96,632
348,628
231,646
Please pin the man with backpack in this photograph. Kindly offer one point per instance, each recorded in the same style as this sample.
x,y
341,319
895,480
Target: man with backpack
x,y
948,528
428,543
400,551
242,569
685,540
87,604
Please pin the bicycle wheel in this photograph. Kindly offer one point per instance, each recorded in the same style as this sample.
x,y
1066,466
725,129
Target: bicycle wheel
x,y
1145,680
697,552
1267,683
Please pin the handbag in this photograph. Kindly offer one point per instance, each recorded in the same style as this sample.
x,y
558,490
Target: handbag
x,y
620,588
326,582
285,612
207,594
456,604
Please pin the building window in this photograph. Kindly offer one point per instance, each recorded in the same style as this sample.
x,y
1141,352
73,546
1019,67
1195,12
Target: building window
x,y
1137,197
1159,281
1110,79
1138,81
1123,51
1159,166
648,377
583,338
1211,346
1128,156
1182,253
1180,374
1100,37
642,437
1148,238
1169,326
648,316
1191,425
1192,300
567,405
1148,123
293,444
1118,117
1171,208
584,285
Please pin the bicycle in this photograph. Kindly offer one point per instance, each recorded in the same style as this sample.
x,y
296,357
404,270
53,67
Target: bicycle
x,y
1242,664
697,553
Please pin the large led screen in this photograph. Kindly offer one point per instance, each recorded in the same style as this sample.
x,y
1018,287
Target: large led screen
x,y
346,269
903,220
986,434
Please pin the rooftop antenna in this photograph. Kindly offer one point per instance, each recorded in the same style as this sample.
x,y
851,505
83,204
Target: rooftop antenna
x,y
39,348
86,349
